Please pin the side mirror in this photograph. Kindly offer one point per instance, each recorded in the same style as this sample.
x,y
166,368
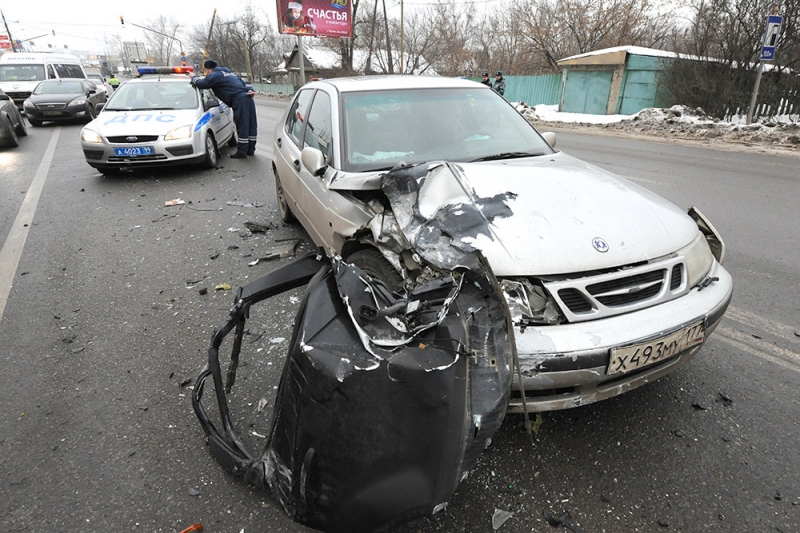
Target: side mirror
x,y
4,96
211,102
314,160
550,137
99,107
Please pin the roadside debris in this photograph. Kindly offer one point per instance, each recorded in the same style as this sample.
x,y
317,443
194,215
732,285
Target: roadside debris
x,y
237,203
500,517
255,227
562,520
284,250
223,287
176,201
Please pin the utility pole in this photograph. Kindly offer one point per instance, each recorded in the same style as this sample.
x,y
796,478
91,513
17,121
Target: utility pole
x,y
208,40
8,32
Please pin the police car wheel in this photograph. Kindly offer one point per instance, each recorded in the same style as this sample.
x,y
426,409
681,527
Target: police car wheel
x,y
210,160
234,140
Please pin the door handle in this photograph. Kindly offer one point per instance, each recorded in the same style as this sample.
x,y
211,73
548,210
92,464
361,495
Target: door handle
x,y
296,163
280,143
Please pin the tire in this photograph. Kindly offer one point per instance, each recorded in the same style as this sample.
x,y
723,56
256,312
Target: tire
x,y
35,123
212,156
283,205
10,134
372,262
22,128
234,140
91,113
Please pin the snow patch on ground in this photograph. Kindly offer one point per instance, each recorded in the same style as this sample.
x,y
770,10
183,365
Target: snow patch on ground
x,y
677,122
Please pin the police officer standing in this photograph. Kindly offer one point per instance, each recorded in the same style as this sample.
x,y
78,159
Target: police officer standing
x,y
113,82
486,81
499,83
234,92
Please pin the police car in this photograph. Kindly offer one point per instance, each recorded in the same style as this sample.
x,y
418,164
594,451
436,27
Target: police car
x,y
158,119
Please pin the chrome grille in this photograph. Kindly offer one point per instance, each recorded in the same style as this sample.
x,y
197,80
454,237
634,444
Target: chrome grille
x,y
619,291
129,139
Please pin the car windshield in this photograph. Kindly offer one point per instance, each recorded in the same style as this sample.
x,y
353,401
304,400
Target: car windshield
x,y
21,72
384,128
59,87
153,94
95,78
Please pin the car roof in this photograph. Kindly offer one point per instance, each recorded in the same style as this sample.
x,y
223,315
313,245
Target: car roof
x,y
392,82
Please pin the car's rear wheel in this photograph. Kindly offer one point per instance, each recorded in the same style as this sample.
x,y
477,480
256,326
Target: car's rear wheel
x,y
11,133
372,262
212,157
22,128
283,204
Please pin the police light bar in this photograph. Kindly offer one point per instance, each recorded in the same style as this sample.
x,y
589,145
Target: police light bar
x,y
165,70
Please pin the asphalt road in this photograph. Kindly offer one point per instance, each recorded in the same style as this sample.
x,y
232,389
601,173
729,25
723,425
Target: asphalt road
x,y
107,325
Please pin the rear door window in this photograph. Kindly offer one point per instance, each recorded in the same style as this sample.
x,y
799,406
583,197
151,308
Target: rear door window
x,y
298,114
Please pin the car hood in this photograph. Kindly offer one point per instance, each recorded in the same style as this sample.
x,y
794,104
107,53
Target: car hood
x,y
39,99
547,215
114,123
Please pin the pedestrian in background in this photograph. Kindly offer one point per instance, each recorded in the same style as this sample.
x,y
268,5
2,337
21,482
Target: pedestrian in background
x,y
500,83
486,81
113,82
237,94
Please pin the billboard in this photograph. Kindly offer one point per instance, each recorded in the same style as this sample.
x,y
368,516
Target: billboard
x,y
316,18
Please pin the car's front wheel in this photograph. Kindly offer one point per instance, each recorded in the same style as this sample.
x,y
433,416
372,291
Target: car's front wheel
x,y
211,158
90,113
11,133
372,262
234,140
283,204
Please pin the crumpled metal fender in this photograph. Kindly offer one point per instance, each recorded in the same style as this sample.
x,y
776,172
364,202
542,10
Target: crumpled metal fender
x,y
385,402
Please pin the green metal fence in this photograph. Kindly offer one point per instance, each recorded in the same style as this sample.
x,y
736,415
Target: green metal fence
x,y
533,90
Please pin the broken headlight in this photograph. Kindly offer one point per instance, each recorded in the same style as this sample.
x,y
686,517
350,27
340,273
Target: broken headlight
x,y
529,303
698,259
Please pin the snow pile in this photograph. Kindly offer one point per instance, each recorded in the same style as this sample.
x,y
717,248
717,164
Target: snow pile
x,y
678,122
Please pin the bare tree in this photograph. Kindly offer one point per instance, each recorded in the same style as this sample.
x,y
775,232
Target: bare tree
x,y
163,42
560,28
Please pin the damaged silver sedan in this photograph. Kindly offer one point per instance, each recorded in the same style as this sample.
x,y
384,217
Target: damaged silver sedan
x,y
608,285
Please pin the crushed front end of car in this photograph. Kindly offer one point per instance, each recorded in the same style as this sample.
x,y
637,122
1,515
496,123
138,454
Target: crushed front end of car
x,y
386,398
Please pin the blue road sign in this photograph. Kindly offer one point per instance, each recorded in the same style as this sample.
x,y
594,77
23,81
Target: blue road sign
x,y
771,37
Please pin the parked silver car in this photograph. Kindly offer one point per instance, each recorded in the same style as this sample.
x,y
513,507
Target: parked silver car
x,y
609,286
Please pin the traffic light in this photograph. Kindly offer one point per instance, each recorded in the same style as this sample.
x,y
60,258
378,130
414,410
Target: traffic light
x,y
121,20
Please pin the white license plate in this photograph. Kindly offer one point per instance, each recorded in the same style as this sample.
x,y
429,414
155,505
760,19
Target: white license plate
x,y
638,356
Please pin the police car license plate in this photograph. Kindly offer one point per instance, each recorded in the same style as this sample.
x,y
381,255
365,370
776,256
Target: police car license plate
x,y
649,353
133,151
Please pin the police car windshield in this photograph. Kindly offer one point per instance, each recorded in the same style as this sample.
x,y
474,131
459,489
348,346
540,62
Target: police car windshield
x,y
153,95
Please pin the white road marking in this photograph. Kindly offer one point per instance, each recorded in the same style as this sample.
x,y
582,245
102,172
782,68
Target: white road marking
x,y
15,242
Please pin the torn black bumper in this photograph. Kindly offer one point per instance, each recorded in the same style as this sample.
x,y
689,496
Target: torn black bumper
x,y
384,403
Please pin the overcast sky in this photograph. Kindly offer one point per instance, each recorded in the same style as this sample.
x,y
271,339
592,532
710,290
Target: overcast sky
x,y
89,25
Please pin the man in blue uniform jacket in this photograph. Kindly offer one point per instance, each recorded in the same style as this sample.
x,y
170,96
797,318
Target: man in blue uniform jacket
x,y
234,92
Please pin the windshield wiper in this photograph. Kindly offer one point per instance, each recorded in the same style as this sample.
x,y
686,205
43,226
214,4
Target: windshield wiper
x,y
504,155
